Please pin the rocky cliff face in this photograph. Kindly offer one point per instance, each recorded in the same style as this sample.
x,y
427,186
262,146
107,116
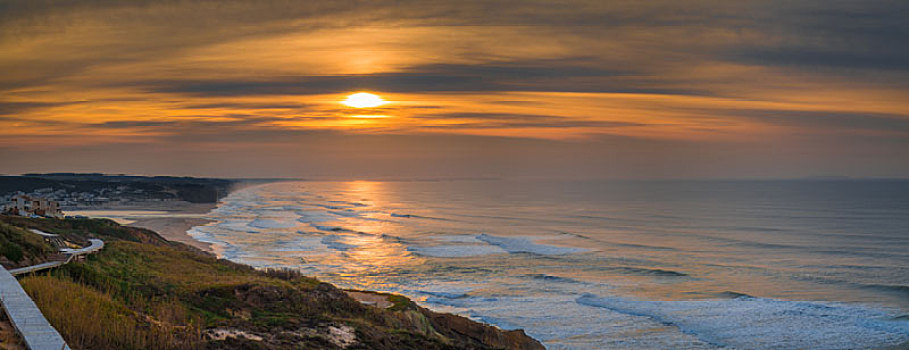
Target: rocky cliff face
x,y
404,326
453,326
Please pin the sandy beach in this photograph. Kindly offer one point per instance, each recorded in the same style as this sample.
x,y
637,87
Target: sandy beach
x,y
169,219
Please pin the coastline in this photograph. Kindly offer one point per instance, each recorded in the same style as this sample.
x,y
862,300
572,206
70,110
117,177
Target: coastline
x,y
171,220
176,229
245,301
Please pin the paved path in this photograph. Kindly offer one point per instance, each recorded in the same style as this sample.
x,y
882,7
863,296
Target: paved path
x,y
36,332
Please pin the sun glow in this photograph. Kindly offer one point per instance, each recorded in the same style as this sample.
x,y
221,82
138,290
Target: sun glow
x,y
363,100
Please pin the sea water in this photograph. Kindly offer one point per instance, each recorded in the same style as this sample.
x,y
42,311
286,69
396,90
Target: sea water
x,y
798,264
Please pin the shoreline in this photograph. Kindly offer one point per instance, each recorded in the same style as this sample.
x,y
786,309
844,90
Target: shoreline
x,y
171,220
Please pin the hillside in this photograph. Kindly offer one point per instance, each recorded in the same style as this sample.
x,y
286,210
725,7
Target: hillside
x,y
143,292
73,189
19,247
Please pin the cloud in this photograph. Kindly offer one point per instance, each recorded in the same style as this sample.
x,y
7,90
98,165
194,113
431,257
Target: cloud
x,y
10,108
234,105
552,75
828,119
453,121
654,79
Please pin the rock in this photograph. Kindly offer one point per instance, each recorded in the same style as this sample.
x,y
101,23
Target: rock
x,y
481,333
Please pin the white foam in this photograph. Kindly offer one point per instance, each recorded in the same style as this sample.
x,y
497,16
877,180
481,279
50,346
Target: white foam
x,y
236,226
562,324
758,323
308,216
525,245
457,238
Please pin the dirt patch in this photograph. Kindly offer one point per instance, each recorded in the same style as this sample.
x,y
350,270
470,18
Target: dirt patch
x,y
9,340
371,299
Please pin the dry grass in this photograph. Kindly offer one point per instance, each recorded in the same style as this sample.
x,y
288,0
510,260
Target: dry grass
x,y
90,319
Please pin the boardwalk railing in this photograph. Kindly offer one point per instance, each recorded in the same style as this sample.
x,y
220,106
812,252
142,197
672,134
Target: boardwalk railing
x,y
22,312
96,245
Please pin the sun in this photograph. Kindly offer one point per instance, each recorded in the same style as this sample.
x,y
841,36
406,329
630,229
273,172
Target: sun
x,y
363,100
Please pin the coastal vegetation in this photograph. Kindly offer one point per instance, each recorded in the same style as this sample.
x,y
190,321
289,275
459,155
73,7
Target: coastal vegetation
x,y
143,292
18,245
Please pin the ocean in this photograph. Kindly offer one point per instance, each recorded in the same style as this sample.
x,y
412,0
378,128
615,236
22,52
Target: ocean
x,y
784,264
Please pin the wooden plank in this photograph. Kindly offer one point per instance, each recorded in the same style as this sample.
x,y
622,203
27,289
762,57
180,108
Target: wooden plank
x,y
36,332
24,315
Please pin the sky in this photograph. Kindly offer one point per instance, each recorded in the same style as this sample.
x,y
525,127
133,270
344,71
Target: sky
x,y
568,89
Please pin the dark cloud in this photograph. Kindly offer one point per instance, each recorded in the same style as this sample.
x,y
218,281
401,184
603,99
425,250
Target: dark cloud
x,y
836,58
233,105
822,120
552,75
845,34
510,120
9,108
205,123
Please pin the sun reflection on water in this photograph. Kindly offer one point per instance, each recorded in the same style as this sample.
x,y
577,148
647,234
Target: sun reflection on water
x,y
372,255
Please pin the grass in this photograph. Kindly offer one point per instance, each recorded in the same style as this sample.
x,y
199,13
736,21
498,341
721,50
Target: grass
x,y
17,244
142,292
78,230
91,319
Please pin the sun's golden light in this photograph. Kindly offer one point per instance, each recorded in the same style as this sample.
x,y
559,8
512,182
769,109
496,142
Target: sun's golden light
x,y
363,100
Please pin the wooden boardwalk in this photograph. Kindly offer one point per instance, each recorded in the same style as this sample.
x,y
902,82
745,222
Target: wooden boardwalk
x,y
36,332
96,245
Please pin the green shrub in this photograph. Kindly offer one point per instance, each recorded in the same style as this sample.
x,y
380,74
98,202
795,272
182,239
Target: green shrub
x,y
17,243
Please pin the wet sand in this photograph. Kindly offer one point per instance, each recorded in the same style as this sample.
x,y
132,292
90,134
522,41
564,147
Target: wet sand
x,y
169,219
174,229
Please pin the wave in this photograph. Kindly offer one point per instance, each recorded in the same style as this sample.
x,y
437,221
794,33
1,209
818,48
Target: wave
x,y
883,288
329,228
237,226
732,295
355,204
457,238
348,213
269,223
456,251
334,242
413,216
749,323
524,245
643,271
643,246
888,288
551,278
446,295
333,207
308,216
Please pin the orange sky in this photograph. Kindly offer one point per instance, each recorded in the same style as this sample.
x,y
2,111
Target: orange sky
x,y
619,89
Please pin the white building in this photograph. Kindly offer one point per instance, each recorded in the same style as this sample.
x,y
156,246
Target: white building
x,y
26,205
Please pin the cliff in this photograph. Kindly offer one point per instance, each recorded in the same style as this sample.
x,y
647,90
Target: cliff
x,y
143,292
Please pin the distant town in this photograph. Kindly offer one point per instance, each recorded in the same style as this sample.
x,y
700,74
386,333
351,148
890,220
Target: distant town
x,y
48,194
